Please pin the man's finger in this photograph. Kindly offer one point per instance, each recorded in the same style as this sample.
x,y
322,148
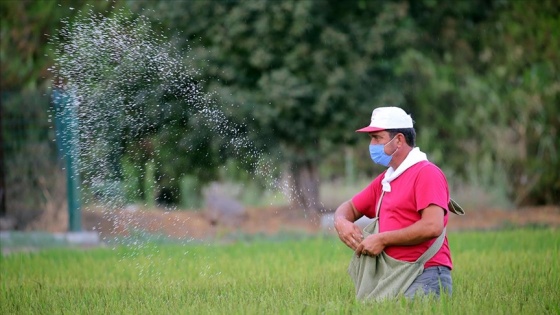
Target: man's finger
x,y
352,244
359,249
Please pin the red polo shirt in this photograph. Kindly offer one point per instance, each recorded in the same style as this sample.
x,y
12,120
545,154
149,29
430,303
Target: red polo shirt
x,y
421,185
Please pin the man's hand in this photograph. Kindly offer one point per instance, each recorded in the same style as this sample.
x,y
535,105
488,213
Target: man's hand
x,y
372,245
427,228
344,218
348,232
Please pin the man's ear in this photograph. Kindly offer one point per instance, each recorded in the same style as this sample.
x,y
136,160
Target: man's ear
x,y
400,139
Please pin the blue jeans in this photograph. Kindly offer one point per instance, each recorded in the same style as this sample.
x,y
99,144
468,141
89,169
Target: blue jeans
x,y
433,280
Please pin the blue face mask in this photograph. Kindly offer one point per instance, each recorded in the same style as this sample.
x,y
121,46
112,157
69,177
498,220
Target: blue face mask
x,y
378,155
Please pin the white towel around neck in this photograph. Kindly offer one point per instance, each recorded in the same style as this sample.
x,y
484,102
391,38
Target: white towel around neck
x,y
413,157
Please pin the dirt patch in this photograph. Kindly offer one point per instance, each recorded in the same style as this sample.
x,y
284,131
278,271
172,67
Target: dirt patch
x,y
196,225
274,220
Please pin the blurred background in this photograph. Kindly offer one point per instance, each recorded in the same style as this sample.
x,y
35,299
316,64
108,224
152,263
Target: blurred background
x,y
481,79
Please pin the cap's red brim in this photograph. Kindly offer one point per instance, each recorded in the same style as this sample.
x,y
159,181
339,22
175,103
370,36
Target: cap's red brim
x,y
370,129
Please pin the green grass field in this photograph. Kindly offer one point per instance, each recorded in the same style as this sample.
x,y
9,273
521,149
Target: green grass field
x,y
500,272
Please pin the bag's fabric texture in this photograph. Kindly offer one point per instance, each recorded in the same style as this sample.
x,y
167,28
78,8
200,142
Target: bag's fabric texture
x,y
454,207
383,277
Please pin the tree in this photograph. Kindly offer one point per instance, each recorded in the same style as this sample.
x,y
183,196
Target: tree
x,y
303,75
137,103
32,175
488,93
521,62
26,28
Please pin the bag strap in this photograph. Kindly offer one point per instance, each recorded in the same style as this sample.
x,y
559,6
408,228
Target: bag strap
x,y
379,204
434,248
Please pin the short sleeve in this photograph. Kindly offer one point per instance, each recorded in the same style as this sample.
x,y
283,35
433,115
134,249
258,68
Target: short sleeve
x,y
431,188
365,201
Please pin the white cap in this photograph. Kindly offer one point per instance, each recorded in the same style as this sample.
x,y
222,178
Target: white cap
x,y
383,118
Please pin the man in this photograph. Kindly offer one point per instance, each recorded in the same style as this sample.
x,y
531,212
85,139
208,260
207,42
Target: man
x,y
414,206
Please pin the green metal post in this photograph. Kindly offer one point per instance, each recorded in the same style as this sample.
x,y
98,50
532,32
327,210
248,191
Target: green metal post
x,y
66,124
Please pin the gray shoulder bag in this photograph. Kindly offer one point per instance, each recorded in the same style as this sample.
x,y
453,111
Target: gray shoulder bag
x,y
383,277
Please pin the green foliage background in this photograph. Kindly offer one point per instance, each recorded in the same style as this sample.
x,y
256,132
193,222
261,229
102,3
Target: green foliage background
x,y
480,78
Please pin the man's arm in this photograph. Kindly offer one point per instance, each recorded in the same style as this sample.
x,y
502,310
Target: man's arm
x,y
428,227
344,218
